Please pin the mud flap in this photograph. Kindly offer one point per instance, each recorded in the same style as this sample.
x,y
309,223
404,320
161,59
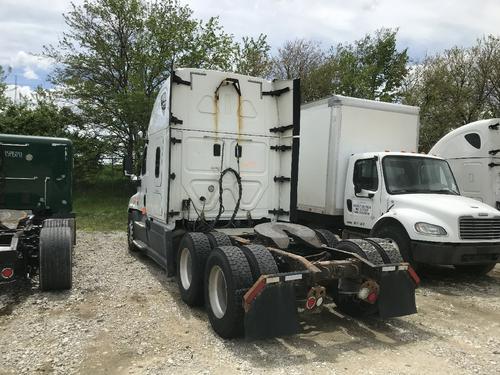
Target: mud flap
x,y
397,295
273,313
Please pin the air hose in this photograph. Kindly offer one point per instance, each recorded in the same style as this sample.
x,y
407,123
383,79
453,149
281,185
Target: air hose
x,y
221,205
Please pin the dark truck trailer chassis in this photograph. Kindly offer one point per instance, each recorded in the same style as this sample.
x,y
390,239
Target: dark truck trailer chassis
x,y
253,284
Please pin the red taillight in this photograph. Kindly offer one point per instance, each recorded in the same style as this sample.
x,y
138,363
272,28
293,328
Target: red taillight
x,y
311,303
372,298
7,273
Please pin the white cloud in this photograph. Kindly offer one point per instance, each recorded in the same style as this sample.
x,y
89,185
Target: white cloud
x,y
30,74
22,93
23,59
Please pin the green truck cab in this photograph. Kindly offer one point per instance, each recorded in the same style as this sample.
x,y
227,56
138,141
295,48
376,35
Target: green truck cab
x,y
36,179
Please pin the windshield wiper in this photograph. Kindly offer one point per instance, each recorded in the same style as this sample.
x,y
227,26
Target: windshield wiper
x,y
445,191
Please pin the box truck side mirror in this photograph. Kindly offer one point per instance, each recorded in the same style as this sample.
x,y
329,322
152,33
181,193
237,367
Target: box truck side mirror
x,y
128,165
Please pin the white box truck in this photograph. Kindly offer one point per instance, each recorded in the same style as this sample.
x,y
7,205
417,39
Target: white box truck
x,y
358,172
473,152
216,191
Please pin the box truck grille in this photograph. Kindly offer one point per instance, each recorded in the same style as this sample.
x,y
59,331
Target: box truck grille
x,y
479,229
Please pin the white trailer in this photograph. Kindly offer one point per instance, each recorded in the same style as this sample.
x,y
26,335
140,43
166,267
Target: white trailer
x,y
473,152
359,172
216,193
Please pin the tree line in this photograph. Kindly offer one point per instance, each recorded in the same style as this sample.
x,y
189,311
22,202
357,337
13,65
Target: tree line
x,y
116,53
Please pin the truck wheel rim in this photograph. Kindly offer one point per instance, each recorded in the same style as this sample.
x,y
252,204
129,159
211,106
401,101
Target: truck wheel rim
x,y
186,268
217,292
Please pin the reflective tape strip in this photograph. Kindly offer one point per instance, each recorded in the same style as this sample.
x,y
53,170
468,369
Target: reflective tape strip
x,y
272,280
293,277
389,268
403,268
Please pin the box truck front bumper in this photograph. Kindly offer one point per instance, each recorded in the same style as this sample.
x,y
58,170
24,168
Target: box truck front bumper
x,y
456,253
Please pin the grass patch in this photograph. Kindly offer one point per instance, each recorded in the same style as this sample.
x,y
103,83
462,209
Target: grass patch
x,y
102,206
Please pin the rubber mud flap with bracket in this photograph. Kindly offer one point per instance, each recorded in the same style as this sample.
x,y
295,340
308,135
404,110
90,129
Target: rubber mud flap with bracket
x,y
397,295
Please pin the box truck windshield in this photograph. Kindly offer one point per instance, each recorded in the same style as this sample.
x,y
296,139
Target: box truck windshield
x,y
408,174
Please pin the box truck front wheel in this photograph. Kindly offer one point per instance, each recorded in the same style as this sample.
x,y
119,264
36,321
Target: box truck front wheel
x,y
56,245
476,269
130,235
192,255
227,278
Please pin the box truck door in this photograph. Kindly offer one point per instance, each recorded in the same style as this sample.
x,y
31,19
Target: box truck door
x,y
362,205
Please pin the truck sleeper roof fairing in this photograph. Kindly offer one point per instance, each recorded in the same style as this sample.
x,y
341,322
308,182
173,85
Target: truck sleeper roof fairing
x,y
206,122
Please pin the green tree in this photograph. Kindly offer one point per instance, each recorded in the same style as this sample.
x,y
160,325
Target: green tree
x,y
117,53
252,57
458,86
3,88
370,68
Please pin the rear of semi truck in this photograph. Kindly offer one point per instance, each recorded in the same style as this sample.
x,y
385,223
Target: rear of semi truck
x,y
36,182
215,206
368,180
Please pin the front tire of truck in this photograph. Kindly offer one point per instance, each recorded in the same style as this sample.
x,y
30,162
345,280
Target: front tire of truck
x,y
56,258
227,278
130,235
400,237
476,269
192,255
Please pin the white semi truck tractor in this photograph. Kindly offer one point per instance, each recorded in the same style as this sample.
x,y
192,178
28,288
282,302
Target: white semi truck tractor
x,y
473,152
359,173
216,198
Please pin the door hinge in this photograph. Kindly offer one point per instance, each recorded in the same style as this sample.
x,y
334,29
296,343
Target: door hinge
x,y
494,126
278,212
174,140
281,129
174,120
173,213
491,165
494,152
281,148
276,92
172,176
281,179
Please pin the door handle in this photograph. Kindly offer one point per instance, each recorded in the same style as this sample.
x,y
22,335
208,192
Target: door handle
x,y
349,205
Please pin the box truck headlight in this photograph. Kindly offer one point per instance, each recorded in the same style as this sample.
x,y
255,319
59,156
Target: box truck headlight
x,y
431,229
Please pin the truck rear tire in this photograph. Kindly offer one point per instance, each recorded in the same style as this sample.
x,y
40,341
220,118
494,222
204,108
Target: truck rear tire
x,y
218,239
476,269
192,255
55,258
388,249
227,278
260,260
401,238
327,237
67,222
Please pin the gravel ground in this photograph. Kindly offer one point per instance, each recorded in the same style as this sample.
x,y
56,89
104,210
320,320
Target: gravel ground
x,y
124,316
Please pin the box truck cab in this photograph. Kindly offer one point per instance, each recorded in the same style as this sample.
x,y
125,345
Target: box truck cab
x,y
350,179
473,152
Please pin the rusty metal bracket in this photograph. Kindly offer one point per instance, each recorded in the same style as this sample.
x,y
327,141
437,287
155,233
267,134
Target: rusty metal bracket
x,y
276,92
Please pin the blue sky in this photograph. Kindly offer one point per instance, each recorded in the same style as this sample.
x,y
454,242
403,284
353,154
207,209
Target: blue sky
x,y
425,26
